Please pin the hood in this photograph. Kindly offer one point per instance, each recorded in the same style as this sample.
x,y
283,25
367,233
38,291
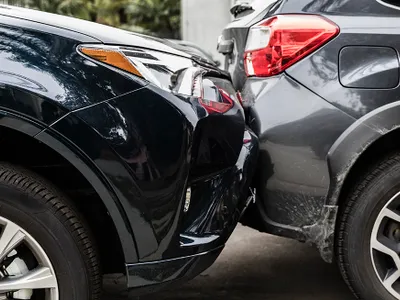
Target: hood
x,y
102,33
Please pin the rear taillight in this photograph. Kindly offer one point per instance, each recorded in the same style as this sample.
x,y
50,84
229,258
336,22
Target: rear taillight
x,y
277,43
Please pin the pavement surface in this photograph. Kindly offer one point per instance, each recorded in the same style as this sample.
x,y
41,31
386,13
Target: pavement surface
x,y
258,266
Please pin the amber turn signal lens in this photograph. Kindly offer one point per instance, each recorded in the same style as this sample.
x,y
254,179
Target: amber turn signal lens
x,y
111,57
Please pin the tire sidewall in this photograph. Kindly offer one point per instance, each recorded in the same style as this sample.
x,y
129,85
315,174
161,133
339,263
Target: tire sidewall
x,y
357,238
41,221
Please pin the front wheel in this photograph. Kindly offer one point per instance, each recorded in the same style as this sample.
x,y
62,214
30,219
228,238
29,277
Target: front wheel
x,y
45,249
368,240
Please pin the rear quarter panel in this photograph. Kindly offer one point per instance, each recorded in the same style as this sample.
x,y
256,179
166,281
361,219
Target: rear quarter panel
x,y
314,111
322,68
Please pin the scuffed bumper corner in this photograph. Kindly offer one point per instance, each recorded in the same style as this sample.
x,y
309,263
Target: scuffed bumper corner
x,y
219,201
150,277
322,233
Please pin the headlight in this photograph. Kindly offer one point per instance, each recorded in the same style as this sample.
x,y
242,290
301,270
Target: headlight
x,y
170,72
153,66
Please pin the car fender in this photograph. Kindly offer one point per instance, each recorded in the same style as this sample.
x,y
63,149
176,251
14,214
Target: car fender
x,y
341,158
87,168
37,84
348,148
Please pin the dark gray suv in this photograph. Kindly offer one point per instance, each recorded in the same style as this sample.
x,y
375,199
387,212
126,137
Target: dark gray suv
x,y
320,84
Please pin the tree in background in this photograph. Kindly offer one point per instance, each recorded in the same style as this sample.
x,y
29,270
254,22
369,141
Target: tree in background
x,y
158,17
161,16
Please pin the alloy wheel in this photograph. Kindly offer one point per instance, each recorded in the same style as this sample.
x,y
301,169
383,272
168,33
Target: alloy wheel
x,y
25,269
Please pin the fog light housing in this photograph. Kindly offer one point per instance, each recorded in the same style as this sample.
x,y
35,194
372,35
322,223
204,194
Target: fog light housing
x,y
187,200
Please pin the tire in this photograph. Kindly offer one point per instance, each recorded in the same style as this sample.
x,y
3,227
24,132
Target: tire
x,y
361,220
47,217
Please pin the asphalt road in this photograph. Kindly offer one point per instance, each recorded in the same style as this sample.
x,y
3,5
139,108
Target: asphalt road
x,y
258,266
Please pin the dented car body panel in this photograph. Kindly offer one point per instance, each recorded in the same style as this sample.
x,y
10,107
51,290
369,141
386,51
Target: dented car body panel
x,y
172,168
293,177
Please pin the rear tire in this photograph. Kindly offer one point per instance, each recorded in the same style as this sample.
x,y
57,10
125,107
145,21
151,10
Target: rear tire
x,y
366,226
46,218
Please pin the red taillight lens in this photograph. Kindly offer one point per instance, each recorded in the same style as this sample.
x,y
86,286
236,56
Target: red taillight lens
x,y
279,42
218,107
213,98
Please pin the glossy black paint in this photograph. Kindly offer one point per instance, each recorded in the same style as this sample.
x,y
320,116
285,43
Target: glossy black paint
x,y
216,206
20,123
105,167
153,276
89,30
157,145
139,146
151,153
316,120
37,130
156,219
49,67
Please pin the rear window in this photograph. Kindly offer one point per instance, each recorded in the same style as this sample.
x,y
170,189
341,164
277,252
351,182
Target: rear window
x,y
258,6
392,3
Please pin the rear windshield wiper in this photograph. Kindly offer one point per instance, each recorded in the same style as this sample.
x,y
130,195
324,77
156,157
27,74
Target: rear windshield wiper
x,y
240,8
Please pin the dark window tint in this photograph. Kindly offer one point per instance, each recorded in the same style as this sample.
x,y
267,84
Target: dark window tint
x,y
391,2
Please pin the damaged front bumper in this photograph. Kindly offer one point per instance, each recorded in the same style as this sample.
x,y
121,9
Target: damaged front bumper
x,y
216,205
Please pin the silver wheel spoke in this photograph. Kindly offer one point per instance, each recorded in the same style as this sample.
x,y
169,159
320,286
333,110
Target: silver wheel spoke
x,y
391,279
388,248
391,214
16,277
11,237
40,278
385,240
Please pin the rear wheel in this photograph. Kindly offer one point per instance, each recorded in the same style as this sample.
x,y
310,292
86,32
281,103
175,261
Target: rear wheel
x,y
45,250
368,240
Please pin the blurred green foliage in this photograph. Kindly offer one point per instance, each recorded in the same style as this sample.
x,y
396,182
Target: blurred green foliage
x,y
158,17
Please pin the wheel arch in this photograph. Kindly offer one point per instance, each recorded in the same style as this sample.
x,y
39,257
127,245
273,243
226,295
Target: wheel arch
x,y
100,185
86,169
365,140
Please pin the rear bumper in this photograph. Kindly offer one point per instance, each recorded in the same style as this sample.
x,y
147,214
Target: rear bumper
x,y
296,129
217,204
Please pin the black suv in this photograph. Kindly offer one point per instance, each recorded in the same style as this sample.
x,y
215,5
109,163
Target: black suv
x,y
120,154
320,86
